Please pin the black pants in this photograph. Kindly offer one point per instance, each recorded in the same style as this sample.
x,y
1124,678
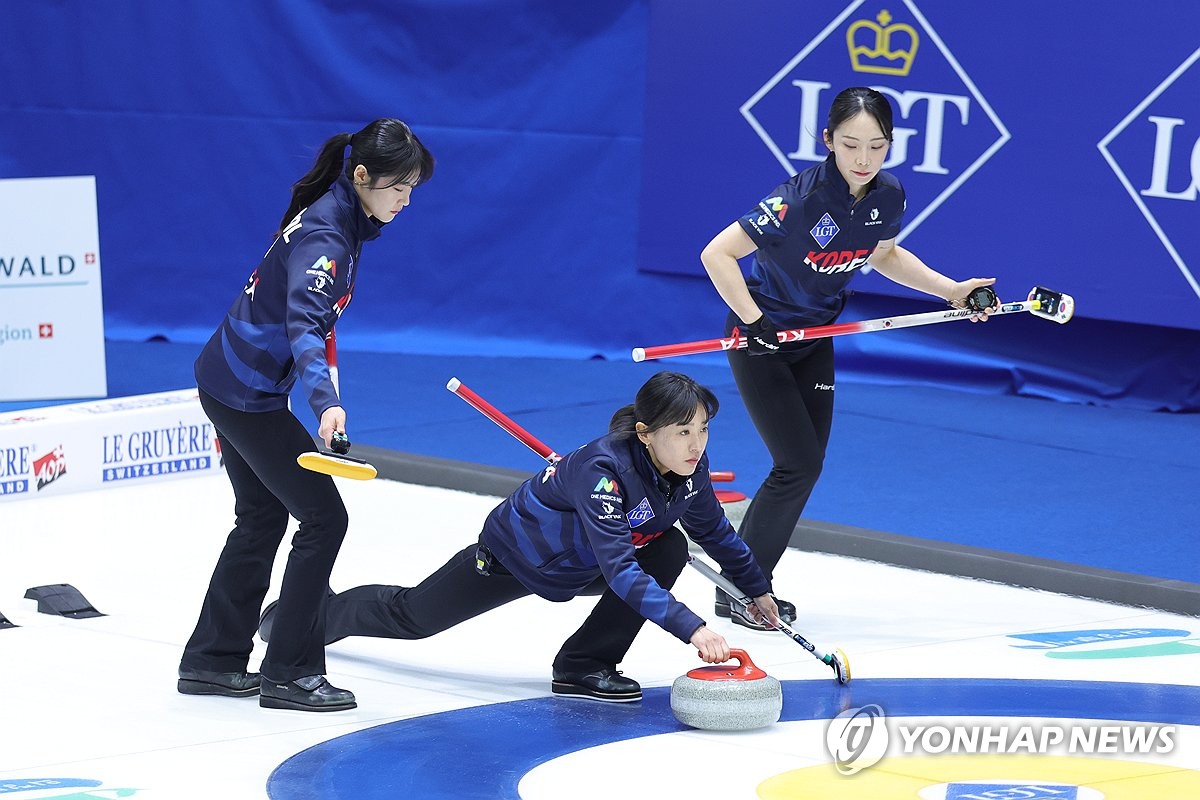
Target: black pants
x,y
259,451
457,592
789,397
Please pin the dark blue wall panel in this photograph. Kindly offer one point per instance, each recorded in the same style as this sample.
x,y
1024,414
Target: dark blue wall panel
x,y
586,152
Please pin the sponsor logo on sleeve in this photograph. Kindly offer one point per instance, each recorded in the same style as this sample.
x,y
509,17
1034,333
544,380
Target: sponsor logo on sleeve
x,y
610,508
606,485
321,275
768,217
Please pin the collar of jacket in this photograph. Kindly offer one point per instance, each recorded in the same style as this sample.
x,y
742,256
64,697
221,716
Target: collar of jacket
x,y
831,177
650,474
365,228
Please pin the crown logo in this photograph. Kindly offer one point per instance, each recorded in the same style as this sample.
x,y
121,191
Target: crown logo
x,y
871,50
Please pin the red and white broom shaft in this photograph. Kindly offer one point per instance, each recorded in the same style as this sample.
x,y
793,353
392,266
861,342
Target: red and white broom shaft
x,y
825,331
503,420
525,437
331,360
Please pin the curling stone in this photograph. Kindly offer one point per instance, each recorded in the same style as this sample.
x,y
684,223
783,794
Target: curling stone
x,y
725,698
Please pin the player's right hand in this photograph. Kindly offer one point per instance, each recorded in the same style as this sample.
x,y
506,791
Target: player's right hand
x,y
711,646
333,419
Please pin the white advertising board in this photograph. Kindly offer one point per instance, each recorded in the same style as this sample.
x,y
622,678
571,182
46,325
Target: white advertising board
x,y
51,312
105,443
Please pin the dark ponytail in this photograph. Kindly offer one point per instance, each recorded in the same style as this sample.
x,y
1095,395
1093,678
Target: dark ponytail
x,y
668,398
623,422
387,148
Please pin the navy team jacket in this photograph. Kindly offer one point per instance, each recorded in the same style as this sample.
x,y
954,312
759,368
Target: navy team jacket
x,y
585,516
275,330
812,238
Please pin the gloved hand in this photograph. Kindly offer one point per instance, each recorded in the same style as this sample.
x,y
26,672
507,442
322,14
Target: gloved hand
x,y
762,338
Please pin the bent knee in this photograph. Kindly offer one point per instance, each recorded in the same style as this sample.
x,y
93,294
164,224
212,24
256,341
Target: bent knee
x,y
796,473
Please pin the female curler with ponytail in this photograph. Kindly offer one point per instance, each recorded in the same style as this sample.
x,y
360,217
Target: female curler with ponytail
x,y
271,342
387,150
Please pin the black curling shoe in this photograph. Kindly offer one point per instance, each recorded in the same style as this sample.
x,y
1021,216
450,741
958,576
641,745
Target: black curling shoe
x,y
312,693
733,611
606,685
224,684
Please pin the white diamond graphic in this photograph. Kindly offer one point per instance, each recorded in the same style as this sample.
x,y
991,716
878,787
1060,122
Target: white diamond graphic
x,y
914,223
1124,179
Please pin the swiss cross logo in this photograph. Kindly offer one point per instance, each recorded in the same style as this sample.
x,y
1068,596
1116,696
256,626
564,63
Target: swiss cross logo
x,y
46,330
89,258
944,128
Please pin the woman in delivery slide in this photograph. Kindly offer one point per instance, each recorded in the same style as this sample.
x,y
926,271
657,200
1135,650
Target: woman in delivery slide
x,y
602,519
809,236
273,335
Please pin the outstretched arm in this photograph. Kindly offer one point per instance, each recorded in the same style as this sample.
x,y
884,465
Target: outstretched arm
x,y
903,266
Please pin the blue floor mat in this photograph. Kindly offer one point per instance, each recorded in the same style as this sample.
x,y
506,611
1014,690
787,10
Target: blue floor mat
x,y
1102,487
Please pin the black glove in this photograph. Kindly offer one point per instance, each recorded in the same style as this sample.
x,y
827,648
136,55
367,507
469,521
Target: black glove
x,y
762,338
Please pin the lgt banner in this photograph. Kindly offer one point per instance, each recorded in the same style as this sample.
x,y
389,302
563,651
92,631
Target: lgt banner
x,y
1030,148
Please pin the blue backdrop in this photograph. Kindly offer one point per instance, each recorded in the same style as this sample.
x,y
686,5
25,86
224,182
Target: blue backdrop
x,y
1042,143
580,145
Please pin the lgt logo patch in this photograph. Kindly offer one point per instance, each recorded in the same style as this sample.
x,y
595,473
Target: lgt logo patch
x,y
824,230
640,513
